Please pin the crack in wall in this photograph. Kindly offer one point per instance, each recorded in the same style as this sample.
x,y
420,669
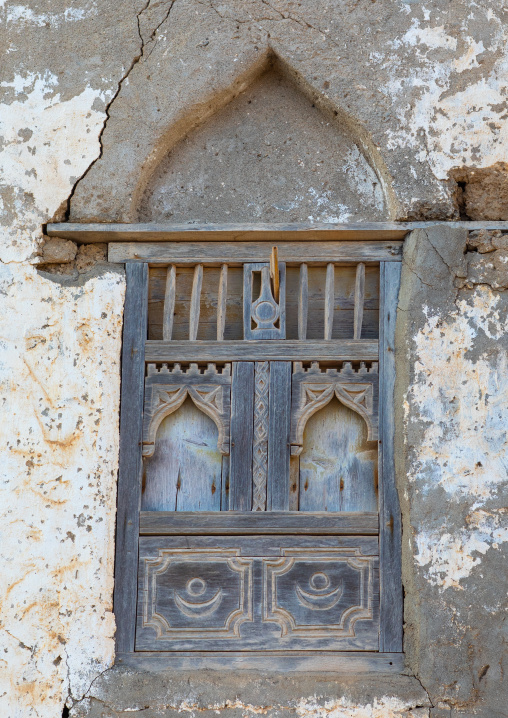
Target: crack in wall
x,y
107,110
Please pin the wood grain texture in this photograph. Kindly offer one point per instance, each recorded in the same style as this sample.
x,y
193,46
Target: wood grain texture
x,y
166,389
278,436
222,302
335,350
315,387
303,302
329,300
169,304
199,593
389,508
359,300
159,523
345,276
272,661
338,467
185,471
195,302
242,427
153,231
129,475
236,253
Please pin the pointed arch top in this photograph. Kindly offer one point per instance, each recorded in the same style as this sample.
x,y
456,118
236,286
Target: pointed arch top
x,y
165,98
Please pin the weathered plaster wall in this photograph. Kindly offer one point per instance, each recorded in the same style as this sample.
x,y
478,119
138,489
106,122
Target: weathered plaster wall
x,y
451,398
104,90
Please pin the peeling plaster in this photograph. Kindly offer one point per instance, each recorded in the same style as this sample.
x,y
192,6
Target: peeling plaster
x,y
466,127
465,445
47,143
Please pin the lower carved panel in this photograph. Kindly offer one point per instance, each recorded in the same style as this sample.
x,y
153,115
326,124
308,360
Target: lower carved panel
x,y
197,594
258,593
318,593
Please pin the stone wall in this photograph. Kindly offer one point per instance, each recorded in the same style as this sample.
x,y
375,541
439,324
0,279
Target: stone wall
x,y
101,101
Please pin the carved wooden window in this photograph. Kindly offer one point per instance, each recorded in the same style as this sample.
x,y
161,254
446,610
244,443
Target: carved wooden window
x,y
257,512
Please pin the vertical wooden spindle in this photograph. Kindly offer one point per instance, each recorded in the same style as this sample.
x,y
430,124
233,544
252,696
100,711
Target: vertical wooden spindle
x,y
169,304
221,302
303,302
329,300
195,302
359,300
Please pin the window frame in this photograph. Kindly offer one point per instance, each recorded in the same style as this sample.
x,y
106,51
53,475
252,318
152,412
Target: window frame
x,y
390,655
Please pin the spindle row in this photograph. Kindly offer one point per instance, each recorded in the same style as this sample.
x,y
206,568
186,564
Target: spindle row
x,y
303,302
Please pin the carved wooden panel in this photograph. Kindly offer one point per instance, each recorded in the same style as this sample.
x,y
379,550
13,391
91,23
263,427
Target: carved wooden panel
x,y
314,388
258,593
318,593
166,390
263,316
260,437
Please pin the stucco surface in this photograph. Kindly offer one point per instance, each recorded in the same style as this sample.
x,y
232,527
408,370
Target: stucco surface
x,y
103,91
452,443
421,86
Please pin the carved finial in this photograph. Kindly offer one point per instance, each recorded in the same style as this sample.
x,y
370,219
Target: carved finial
x,y
151,369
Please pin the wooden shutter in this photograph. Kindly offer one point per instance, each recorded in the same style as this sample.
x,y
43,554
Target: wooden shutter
x,y
264,454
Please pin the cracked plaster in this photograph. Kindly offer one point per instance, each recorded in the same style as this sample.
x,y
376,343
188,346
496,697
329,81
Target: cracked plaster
x,y
425,92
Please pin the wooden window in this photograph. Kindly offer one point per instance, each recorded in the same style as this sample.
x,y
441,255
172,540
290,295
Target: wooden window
x,y
257,512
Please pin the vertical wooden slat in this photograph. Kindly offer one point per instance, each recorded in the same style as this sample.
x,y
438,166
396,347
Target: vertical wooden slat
x,y
129,476
390,638
242,423
195,302
359,300
279,413
221,302
169,304
329,299
303,302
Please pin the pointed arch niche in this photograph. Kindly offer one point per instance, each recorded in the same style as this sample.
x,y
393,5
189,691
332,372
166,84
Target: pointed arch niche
x,y
270,155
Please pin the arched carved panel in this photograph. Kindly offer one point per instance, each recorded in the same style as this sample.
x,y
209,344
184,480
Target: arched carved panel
x,y
165,392
312,389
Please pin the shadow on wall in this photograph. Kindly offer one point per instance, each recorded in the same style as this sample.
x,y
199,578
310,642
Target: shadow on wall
x,y
270,155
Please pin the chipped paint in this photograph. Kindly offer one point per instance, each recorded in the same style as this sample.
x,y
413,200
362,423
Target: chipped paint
x,y
59,378
464,446
461,127
47,142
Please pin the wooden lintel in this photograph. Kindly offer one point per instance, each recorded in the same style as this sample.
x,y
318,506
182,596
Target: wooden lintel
x,y
311,350
155,232
237,253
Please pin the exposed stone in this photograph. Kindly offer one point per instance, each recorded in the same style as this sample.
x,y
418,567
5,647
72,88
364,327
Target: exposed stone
x,y
89,255
483,191
491,269
58,251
